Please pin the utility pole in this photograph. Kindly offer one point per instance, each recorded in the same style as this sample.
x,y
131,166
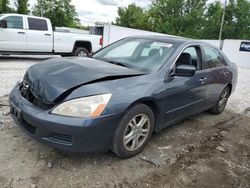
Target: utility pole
x,y
222,23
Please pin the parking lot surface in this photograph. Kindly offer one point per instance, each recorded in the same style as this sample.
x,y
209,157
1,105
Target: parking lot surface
x,y
203,151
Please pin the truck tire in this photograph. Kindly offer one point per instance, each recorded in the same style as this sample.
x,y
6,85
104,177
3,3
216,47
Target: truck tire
x,y
81,52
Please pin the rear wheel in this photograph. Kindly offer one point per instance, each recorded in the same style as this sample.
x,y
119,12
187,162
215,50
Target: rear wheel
x,y
81,52
134,131
222,101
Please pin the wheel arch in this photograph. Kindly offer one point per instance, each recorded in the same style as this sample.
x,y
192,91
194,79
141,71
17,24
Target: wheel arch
x,y
84,44
151,103
230,86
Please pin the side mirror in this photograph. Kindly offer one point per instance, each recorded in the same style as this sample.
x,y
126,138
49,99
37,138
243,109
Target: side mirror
x,y
185,70
3,24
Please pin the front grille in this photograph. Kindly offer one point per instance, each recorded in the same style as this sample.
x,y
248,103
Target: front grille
x,y
27,93
61,138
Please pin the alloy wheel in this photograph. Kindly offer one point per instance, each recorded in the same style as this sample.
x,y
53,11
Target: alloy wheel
x,y
223,100
136,132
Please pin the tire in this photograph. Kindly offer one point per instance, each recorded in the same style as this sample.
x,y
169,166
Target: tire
x,y
128,131
81,52
221,103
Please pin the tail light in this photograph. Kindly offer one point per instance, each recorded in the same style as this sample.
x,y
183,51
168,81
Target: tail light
x,y
101,41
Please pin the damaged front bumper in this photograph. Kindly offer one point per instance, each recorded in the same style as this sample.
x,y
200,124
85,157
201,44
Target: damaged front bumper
x,y
65,133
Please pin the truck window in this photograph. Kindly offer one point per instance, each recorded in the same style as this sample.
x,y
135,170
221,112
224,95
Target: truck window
x,y
14,22
37,24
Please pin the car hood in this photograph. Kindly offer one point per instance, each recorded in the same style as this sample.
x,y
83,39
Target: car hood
x,y
55,77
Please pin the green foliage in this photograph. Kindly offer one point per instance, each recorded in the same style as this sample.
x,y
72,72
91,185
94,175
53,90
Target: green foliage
x,y
237,20
182,18
60,12
4,7
22,6
190,18
212,23
133,16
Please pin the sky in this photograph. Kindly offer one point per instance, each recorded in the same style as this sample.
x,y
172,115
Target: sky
x,y
91,11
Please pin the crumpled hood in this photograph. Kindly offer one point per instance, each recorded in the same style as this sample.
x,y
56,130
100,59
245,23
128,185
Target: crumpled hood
x,y
54,77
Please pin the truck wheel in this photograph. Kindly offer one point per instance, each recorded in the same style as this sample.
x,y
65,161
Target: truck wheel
x,y
81,52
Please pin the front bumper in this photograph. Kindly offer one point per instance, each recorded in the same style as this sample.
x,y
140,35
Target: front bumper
x,y
65,133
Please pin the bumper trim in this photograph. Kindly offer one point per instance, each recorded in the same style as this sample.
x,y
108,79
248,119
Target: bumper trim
x,y
65,133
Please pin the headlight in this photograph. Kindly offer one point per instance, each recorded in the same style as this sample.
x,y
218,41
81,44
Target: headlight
x,y
91,106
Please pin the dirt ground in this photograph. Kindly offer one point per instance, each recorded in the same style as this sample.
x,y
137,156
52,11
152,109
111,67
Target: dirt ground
x,y
203,151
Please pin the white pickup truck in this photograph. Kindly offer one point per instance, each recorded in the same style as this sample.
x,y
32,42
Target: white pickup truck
x,y
24,34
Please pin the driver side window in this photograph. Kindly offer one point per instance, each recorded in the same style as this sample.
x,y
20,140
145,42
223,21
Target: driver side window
x,y
189,57
14,22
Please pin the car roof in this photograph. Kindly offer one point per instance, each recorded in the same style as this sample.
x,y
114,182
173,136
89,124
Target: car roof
x,y
173,39
163,38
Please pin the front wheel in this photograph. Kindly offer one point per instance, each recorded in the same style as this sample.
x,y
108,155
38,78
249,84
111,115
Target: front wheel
x,y
134,131
81,52
221,103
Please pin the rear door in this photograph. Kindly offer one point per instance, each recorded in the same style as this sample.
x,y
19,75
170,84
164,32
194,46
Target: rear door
x,y
39,35
14,37
184,96
216,73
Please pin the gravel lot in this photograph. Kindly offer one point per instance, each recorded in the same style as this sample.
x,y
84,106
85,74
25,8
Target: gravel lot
x,y
204,151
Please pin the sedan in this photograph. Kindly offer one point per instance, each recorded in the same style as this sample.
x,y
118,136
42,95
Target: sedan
x,y
117,98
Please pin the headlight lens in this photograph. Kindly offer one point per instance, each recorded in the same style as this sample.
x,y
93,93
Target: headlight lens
x,y
91,106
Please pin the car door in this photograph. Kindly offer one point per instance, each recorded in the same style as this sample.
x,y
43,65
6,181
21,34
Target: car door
x,y
216,73
39,35
14,37
184,96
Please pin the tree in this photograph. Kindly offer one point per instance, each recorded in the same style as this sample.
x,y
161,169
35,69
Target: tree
x,y
237,20
182,18
60,12
4,7
133,17
22,6
211,25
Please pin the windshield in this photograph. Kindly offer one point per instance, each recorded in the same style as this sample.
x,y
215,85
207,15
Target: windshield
x,y
140,54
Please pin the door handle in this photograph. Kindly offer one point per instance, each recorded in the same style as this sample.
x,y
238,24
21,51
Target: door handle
x,y
20,32
203,80
47,34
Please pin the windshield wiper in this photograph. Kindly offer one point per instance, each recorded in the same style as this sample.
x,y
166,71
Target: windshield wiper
x,y
117,63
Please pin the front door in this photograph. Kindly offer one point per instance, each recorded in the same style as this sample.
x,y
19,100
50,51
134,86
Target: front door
x,y
14,37
185,95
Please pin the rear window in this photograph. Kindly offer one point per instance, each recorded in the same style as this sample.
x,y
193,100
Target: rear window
x,y
37,24
213,58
